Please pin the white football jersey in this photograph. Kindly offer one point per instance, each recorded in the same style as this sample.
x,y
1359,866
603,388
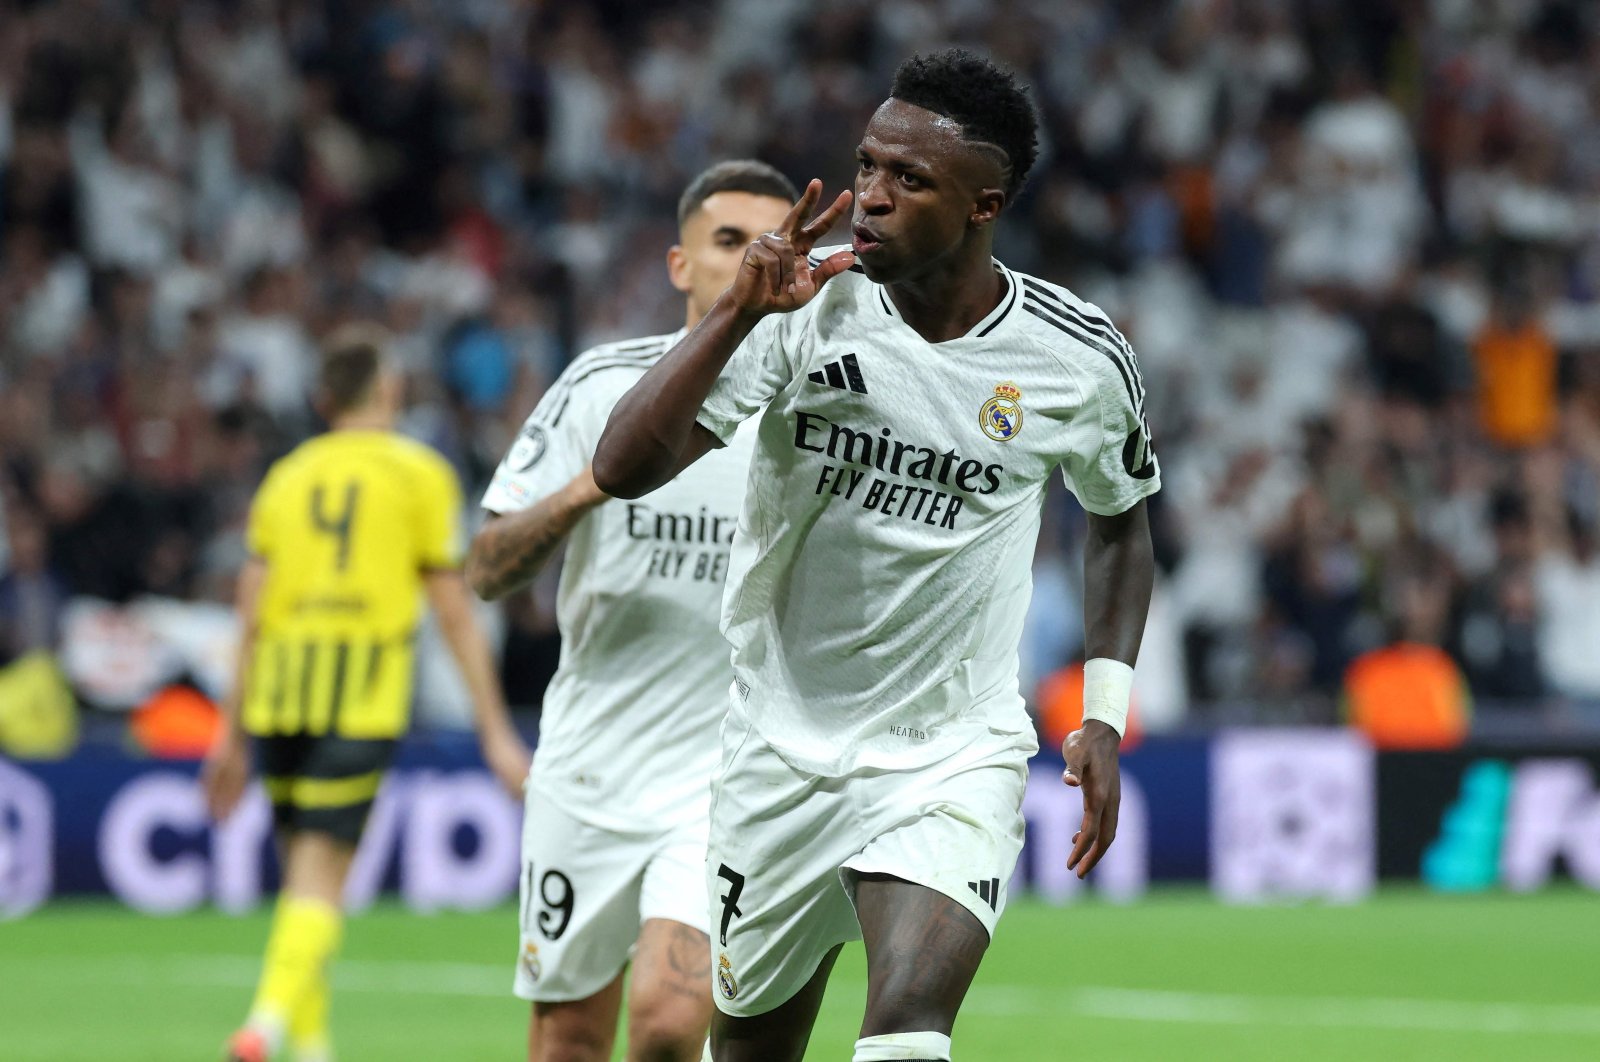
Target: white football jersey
x,y
628,732
883,564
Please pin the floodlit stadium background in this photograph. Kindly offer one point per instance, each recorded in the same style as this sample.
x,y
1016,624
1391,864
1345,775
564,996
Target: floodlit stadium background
x,y
1356,245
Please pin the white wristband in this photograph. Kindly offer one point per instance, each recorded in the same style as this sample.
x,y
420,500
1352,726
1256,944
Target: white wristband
x,y
1107,689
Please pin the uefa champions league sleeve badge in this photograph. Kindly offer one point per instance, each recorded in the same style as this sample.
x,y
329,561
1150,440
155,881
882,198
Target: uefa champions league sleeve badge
x,y
526,451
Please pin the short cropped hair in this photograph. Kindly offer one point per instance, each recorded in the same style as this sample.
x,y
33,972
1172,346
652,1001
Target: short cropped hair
x,y
983,99
735,175
351,358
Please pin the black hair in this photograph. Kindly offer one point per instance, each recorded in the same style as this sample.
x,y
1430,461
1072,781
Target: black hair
x,y
735,175
983,99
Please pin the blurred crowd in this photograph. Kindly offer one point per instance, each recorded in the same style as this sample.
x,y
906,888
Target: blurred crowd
x,y
1357,247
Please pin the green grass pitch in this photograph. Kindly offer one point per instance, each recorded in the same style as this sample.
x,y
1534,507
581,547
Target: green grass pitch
x,y
1177,976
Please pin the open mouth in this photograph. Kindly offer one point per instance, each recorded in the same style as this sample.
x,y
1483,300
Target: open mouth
x,y
866,241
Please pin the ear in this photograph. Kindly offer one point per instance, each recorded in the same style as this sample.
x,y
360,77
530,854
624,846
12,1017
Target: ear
x,y
986,207
678,268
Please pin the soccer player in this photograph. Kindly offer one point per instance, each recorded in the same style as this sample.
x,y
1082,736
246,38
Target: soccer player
x,y
915,395
347,534
614,840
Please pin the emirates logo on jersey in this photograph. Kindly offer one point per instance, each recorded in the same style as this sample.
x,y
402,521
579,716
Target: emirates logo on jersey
x,y
862,452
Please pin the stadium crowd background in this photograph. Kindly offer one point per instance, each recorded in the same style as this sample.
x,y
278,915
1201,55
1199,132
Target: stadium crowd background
x,y
1357,247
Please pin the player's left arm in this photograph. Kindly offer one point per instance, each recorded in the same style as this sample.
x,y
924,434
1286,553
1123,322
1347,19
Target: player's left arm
x,y
439,558
226,770
1119,573
503,748
1112,467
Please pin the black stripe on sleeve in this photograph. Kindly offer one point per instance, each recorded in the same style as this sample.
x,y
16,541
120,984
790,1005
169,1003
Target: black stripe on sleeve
x,y
1135,396
587,361
1103,328
617,362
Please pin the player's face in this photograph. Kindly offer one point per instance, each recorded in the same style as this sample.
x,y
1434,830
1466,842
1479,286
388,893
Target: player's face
x,y
713,241
921,191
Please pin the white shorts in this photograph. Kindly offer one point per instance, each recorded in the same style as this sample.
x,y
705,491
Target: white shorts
x,y
586,891
786,848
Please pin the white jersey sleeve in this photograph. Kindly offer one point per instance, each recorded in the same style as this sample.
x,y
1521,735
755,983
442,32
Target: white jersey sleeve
x,y
558,439
1111,475
758,369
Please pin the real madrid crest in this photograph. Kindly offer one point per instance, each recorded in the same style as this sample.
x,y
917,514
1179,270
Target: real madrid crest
x,y
530,961
1001,416
725,981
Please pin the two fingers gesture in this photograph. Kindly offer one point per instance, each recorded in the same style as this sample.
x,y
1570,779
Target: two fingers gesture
x,y
776,276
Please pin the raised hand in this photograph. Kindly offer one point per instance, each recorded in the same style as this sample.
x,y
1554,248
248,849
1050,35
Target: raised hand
x,y
1091,755
776,276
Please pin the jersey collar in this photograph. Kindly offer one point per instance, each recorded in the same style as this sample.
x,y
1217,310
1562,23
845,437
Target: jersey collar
x,y
1008,302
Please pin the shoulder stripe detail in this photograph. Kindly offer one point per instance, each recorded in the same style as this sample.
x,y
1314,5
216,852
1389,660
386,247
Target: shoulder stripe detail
x,y
1011,300
1099,326
1135,395
600,364
580,370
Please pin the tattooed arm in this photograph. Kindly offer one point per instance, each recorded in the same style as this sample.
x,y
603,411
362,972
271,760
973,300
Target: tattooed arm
x,y
510,550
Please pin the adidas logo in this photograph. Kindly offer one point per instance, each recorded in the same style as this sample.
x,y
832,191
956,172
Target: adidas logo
x,y
988,891
836,373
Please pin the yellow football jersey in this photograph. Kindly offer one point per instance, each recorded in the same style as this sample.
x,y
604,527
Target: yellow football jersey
x,y
348,524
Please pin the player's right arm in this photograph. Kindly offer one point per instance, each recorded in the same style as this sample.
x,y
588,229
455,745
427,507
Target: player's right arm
x,y
226,770
511,548
653,433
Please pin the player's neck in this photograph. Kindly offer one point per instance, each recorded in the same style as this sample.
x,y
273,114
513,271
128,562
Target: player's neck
x,y
363,420
947,303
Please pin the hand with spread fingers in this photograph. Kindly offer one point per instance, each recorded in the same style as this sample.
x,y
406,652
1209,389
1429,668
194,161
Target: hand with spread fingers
x,y
776,276
1091,754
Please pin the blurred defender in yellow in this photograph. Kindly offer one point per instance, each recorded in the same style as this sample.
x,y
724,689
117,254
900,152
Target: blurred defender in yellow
x,y
347,535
